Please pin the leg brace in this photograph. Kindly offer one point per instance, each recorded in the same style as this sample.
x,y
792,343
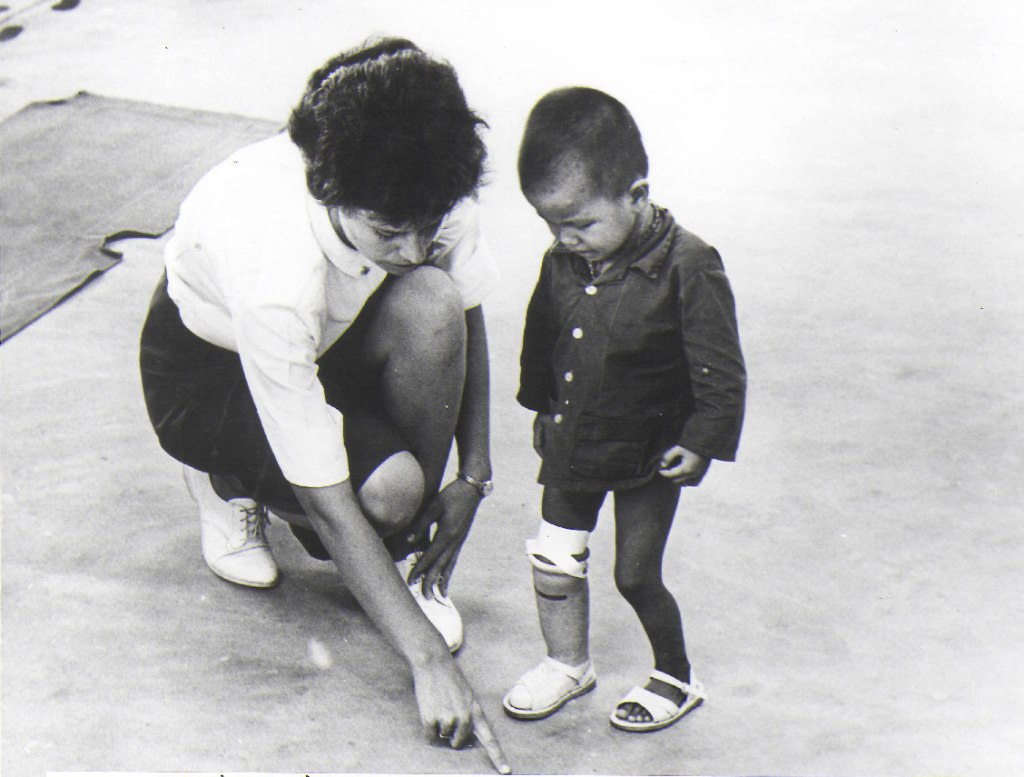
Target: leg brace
x,y
559,551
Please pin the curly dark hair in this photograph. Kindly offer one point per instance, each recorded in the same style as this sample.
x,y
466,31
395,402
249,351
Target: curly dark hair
x,y
586,126
384,127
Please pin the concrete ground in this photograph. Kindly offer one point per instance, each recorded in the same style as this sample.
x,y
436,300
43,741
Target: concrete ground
x,y
852,587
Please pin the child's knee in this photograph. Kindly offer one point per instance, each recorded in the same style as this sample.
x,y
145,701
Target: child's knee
x,y
393,493
636,584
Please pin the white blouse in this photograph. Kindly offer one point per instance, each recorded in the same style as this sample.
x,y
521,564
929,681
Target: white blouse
x,y
255,266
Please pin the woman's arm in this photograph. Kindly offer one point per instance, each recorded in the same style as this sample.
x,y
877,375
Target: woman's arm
x,y
444,697
369,573
473,431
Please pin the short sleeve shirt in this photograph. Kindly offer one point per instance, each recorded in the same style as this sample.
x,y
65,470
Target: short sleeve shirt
x,y
256,267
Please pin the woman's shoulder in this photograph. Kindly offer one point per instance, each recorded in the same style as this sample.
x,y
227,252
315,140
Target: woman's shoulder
x,y
249,215
259,176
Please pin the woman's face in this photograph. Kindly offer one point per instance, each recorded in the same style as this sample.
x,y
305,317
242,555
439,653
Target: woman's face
x,y
395,248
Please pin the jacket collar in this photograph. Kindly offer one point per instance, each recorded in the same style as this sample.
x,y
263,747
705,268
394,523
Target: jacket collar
x,y
653,249
647,255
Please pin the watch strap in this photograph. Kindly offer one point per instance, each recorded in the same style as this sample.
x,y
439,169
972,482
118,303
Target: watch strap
x,y
483,486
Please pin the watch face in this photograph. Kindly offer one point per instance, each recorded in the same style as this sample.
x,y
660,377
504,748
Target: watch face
x,y
486,488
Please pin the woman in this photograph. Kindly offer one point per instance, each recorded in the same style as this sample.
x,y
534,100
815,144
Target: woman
x,y
318,343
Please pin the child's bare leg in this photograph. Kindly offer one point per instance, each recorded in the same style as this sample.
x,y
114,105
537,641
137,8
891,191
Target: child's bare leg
x,y
643,519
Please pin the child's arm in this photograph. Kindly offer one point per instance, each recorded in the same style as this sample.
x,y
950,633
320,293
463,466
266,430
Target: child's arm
x,y
538,434
539,335
717,372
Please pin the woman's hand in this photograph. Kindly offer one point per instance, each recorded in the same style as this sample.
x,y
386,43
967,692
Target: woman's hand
x,y
449,711
453,510
683,467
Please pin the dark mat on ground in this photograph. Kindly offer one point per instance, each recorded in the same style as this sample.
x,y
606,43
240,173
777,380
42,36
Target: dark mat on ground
x,y
77,174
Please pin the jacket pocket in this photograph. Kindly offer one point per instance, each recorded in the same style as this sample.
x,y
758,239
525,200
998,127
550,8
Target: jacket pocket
x,y
611,448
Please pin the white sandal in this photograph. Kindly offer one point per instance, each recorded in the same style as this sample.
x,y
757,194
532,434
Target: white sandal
x,y
547,687
662,711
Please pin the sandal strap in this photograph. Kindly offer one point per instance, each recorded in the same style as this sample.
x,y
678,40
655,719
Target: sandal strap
x,y
657,706
549,673
693,688
575,672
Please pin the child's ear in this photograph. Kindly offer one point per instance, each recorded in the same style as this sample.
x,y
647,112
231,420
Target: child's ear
x,y
639,191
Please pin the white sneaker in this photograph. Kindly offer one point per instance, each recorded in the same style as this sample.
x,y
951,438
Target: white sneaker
x,y
440,610
233,535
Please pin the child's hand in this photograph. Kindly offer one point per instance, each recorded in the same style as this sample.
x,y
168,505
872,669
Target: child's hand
x,y
683,467
538,434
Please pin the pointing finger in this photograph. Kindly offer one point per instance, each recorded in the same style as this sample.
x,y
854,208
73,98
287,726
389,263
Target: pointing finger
x,y
490,742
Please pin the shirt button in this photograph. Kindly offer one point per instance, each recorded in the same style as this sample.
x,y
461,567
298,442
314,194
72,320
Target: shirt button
x,y
569,376
558,418
591,290
365,270
577,333
704,370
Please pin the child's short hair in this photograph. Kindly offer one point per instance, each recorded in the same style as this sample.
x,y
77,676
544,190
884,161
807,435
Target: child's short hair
x,y
582,126
384,127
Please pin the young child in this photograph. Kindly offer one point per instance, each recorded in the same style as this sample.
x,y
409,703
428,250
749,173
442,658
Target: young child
x,y
631,360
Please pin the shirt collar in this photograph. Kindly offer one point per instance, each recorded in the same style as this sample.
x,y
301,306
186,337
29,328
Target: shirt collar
x,y
346,259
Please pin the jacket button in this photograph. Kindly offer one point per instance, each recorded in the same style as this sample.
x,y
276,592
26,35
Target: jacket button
x,y
591,290
569,376
577,333
558,418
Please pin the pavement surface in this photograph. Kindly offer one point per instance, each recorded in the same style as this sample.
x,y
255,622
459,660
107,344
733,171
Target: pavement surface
x,y
851,588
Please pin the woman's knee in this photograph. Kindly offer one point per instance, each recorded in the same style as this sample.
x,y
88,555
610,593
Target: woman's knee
x,y
391,496
423,306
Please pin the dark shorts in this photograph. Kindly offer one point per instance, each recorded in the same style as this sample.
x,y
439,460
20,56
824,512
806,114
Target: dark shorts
x,y
591,453
204,416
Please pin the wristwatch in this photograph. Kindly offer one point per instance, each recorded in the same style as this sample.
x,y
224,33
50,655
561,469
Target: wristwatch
x,y
485,487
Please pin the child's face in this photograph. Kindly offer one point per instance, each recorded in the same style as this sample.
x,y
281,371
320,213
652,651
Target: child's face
x,y
396,249
585,221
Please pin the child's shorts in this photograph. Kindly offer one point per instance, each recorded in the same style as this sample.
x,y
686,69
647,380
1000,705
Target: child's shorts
x,y
204,416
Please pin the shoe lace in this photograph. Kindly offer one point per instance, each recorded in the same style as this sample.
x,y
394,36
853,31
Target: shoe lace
x,y
255,520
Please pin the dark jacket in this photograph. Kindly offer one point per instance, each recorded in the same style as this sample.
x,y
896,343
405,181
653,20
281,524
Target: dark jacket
x,y
641,358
